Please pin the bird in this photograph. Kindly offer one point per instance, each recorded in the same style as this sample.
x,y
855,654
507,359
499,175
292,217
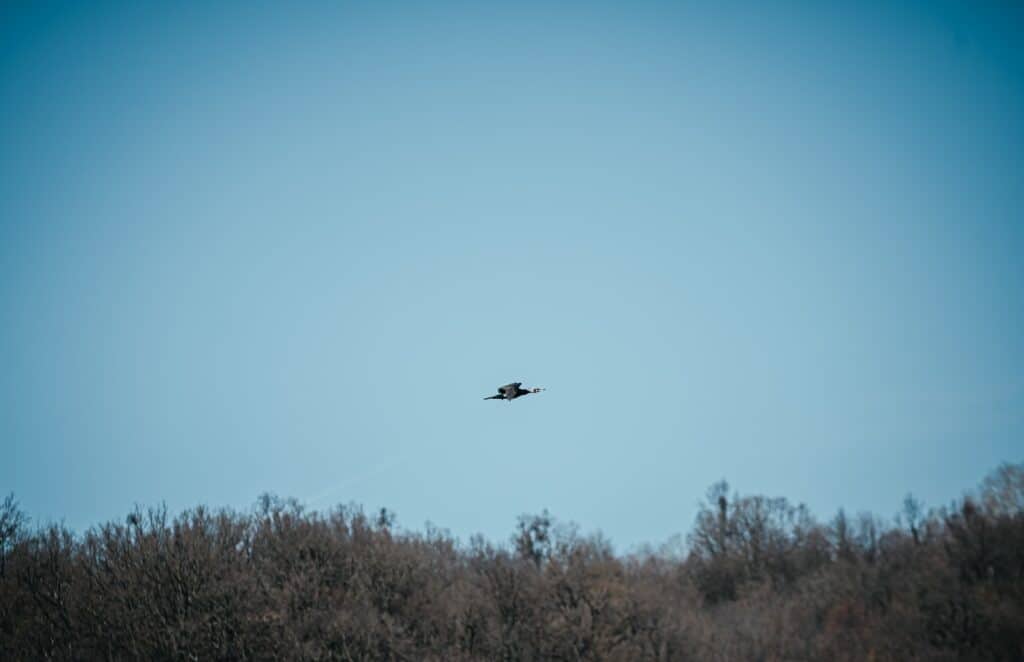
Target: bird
x,y
512,391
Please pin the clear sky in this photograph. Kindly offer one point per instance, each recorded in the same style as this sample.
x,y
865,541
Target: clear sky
x,y
289,247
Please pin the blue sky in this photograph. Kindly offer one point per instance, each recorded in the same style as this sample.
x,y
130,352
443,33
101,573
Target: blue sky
x,y
265,248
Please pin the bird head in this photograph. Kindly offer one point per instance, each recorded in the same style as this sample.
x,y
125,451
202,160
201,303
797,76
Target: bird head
x,y
536,390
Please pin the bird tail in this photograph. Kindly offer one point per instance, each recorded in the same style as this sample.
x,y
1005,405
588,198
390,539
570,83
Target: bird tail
x,y
493,397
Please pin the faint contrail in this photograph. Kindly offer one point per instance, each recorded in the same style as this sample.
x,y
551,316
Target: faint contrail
x,y
351,480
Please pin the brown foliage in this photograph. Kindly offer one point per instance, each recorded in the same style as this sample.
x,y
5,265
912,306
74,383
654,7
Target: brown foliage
x,y
760,579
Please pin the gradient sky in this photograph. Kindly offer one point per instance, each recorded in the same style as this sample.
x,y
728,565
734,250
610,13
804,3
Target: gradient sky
x,y
265,248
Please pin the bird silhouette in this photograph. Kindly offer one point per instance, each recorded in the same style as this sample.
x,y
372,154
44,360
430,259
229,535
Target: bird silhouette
x,y
512,391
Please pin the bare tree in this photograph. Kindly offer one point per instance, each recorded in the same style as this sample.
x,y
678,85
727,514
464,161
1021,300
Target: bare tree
x,y
759,578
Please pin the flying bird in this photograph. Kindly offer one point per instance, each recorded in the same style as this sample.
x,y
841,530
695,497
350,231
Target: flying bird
x,y
512,391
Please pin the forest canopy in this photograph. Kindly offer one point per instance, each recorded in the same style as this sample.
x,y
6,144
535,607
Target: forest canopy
x,y
756,578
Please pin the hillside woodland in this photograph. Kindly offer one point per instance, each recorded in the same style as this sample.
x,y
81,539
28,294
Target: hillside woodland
x,y
756,578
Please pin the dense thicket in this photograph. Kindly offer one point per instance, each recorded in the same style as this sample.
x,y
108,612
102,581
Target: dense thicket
x,y
756,579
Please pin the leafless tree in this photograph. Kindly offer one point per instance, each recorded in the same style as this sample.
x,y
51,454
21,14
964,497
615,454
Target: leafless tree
x,y
758,578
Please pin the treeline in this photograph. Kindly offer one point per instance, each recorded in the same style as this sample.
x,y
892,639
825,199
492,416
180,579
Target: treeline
x,y
756,579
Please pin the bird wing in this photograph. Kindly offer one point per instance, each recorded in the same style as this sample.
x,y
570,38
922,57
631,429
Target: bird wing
x,y
509,389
